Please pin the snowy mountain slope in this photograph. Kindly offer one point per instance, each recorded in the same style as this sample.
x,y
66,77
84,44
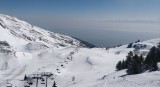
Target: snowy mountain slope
x,y
29,50
16,31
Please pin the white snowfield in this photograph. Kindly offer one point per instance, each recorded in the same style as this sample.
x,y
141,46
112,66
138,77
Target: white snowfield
x,y
32,50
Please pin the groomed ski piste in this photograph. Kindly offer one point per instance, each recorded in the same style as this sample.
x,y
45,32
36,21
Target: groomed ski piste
x,y
47,57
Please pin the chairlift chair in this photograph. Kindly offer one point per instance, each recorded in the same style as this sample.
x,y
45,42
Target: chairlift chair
x,y
26,86
52,78
43,81
30,83
33,77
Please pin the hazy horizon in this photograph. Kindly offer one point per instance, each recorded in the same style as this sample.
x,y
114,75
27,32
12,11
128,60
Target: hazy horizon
x,y
104,23
109,38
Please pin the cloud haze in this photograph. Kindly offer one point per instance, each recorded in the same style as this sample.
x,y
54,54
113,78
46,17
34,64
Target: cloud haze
x,y
83,18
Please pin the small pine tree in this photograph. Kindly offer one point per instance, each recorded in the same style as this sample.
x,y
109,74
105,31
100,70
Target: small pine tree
x,y
151,60
119,65
141,63
141,59
135,65
153,66
25,77
130,45
158,54
124,64
128,58
158,45
137,41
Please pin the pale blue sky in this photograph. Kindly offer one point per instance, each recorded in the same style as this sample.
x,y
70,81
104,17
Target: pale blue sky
x,y
108,19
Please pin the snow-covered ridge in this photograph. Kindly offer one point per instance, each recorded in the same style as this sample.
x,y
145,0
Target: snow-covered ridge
x,y
19,33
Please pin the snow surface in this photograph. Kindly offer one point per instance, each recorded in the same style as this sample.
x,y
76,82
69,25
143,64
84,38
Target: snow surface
x,y
34,50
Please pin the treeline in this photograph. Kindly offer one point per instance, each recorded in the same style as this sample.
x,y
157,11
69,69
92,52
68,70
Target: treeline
x,y
138,64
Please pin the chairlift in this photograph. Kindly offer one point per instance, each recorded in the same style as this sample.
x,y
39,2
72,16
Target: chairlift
x,y
51,74
52,78
26,86
43,81
30,83
33,77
